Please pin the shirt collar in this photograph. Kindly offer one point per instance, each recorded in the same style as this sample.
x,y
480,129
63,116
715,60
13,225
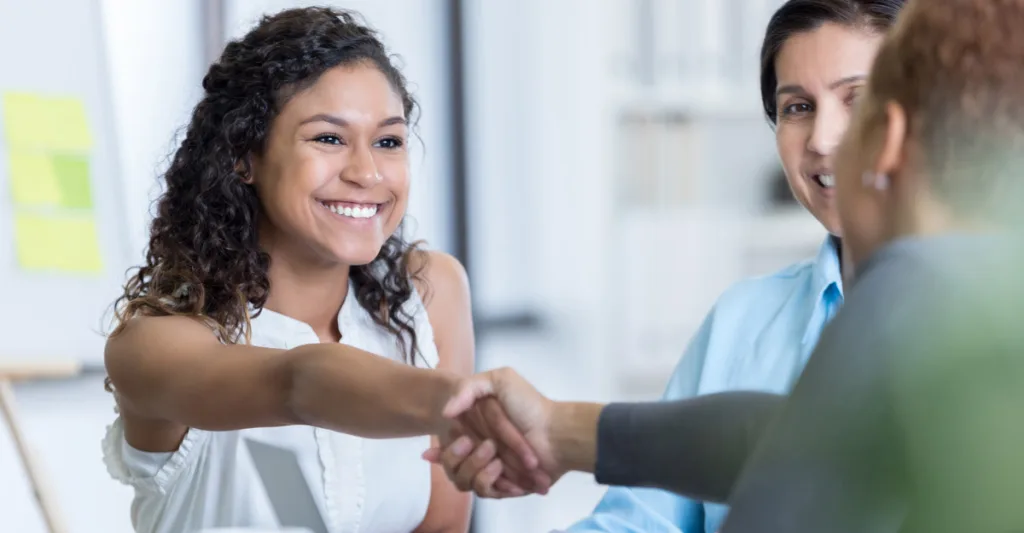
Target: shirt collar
x,y
825,269
826,288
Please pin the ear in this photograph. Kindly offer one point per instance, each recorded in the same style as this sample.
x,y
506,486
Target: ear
x,y
244,169
892,152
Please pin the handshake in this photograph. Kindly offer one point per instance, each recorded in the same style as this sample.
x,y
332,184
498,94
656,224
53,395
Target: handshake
x,y
505,439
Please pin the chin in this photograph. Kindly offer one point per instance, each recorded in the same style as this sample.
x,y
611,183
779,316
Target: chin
x,y
830,220
356,255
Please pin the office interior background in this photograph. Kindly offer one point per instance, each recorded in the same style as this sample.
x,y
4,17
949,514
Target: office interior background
x,y
602,167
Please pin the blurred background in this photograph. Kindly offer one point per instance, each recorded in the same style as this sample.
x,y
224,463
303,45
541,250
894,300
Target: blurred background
x,y
602,167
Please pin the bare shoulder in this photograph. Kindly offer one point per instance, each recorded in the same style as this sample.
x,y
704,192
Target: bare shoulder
x,y
145,330
141,336
440,279
442,283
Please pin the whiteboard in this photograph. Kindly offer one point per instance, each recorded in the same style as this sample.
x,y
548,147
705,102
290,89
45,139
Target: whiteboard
x,y
56,49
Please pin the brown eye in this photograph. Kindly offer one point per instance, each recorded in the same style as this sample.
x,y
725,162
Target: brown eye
x,y
328,138
795,110
390,143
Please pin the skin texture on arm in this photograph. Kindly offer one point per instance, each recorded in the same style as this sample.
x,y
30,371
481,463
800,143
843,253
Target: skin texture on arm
x,y
171,373
446,295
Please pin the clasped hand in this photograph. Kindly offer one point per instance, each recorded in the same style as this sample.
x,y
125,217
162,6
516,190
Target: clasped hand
x,y
498,444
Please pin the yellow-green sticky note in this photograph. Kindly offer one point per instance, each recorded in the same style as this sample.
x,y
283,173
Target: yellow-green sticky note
x,y
34,180
40,122
72,173
71,130
56,243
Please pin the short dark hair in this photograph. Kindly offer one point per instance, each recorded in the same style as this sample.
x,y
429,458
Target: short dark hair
x,y
798,16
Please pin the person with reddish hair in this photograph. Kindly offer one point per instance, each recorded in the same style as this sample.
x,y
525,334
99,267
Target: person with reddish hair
x,y
815,58
907,415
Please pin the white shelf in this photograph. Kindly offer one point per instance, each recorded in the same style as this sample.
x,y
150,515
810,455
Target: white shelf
x,y
715,102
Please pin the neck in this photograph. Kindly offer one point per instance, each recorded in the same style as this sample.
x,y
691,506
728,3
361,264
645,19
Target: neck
x,y
846,269
928,219
308,291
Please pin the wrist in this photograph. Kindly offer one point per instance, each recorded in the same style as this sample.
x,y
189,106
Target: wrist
x,y
441,387
573,434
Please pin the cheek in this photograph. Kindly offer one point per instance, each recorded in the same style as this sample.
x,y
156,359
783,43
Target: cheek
x,y
397,183
790,141
858,209
287,190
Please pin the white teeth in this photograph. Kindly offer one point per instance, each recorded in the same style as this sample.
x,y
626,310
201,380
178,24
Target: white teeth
x,y
353,212
827,180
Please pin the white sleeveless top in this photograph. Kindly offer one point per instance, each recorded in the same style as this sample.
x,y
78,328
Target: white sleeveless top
x,y
361,485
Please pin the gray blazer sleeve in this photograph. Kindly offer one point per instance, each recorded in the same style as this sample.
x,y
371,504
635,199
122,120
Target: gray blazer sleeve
x,y
694,447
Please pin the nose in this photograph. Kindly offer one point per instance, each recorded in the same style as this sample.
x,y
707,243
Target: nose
x,y
361,169
829,125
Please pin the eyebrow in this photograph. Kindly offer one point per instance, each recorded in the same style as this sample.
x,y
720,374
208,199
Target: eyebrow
x,y
797,89
342,123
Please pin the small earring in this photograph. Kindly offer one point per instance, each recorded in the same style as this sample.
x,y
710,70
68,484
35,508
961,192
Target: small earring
x,y
878,181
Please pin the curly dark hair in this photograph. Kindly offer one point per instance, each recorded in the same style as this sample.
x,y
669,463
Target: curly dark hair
x,y
204,258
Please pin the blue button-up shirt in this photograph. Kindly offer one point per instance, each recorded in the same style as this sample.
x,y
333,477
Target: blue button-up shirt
x,y
757,337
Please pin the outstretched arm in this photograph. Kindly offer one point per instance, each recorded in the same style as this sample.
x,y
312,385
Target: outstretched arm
x,y
695,447
172,371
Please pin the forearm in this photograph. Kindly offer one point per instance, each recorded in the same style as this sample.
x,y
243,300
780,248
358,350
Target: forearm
x,y
352,391
694,447
574,429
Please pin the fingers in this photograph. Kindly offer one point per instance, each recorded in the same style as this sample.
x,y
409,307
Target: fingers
x,y
476,424
507,489
489,482
472,473
453,456
505,432
433,455
483,481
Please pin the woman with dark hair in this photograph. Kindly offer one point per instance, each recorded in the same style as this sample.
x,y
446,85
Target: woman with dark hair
x,y
814,63
279,303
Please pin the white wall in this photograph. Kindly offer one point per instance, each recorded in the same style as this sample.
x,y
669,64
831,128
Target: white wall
x,y
539,131
155,61
155,53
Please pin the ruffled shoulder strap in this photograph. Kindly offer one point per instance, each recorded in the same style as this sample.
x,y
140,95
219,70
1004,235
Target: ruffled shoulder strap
x,y
117,463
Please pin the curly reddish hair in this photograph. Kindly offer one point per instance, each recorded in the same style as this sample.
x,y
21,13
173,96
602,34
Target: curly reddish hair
x,y
957,68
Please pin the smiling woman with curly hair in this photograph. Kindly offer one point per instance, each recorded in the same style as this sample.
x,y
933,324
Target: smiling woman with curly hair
x,y
278,301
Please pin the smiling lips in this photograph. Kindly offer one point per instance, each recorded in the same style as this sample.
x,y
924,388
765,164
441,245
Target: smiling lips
x,y
826,181
350,209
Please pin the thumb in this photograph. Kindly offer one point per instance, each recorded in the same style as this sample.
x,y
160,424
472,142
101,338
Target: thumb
x,y
468,392
432,455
